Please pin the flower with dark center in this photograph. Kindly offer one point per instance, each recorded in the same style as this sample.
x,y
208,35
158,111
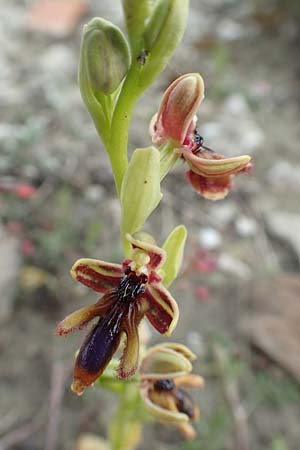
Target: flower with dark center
x,y
131,291
165,374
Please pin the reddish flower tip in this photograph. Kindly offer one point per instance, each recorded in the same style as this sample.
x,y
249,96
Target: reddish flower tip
x,y
209,188
177,110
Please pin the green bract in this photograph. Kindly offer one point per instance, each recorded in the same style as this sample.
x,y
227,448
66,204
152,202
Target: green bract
x,y
140,193
174,247
106,55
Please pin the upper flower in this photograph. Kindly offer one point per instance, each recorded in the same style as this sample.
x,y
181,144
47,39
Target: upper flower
x,y
131,290
210,174
176,115
165,374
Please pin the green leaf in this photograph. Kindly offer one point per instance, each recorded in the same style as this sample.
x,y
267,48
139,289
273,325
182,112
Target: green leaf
x,y
174,247
140,193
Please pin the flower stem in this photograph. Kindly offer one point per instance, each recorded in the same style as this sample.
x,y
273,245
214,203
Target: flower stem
x,y
125,427
120,125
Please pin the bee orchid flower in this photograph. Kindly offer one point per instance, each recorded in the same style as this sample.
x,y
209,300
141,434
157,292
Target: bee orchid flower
x,y
174,125
130,292
165,376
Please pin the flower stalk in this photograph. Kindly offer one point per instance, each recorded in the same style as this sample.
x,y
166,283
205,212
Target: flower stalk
x,y
113,74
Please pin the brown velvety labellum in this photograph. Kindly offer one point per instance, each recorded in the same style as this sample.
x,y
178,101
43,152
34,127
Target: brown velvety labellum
x,y
99,347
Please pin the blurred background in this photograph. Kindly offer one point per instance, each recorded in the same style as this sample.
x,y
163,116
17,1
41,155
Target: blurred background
x,y
240,284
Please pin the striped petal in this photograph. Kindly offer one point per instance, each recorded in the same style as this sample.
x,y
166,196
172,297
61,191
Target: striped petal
x,y
80,318
97,275
157,255
163,311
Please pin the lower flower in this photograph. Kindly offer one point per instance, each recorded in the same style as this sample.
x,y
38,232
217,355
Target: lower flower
x,y
165,378
131,291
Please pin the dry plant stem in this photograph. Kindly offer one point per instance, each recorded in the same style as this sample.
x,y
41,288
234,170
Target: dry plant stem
x,y
59,379
19,435
231,395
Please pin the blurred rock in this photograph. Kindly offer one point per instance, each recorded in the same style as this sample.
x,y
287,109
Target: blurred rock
x,y
209,238
228,138
284,174
94,193
228,263
285,226
230,30
224,212
56,17
274,325
195,342
58,61
246,226
9,264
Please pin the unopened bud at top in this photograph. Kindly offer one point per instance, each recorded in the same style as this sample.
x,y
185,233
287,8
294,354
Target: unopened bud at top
x,y
105,54
136,13
176,116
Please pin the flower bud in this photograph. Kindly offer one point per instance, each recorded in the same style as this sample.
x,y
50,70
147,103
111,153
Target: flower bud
x,y
175,119
136,12
105,55
140,193
174,247
162,36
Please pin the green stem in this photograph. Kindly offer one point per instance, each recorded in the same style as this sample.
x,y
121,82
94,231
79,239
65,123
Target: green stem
x,y
120,425
167,158
120,125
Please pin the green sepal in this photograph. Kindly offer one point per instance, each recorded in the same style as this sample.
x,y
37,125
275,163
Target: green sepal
x,y
163,362
140,193
174,247
162,36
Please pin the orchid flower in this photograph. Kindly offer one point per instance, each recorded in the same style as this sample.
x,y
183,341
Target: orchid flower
x,y
165,376
174,125
131,291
